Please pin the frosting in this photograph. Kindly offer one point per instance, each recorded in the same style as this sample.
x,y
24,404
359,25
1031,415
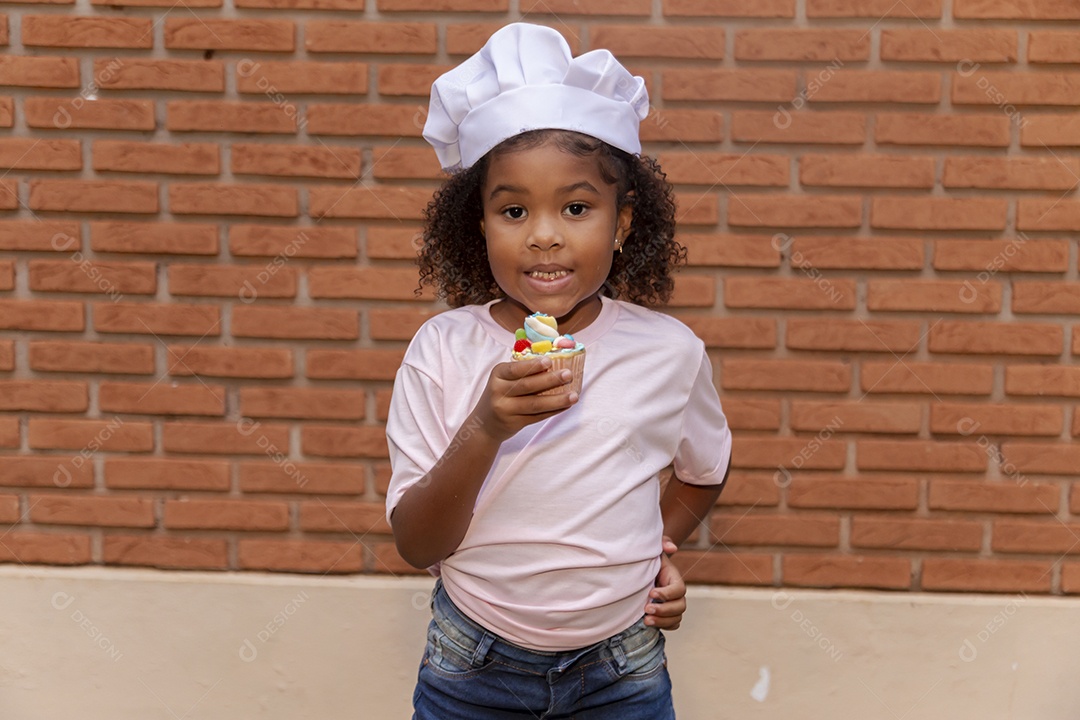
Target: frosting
x,y
540,336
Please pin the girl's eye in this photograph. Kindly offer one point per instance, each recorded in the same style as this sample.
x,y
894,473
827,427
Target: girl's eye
x,y
577,209
514,213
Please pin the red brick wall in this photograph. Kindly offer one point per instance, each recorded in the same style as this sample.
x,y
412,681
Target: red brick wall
x,y
205,278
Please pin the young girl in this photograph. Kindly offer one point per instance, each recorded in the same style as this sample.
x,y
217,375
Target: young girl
x,y
541,513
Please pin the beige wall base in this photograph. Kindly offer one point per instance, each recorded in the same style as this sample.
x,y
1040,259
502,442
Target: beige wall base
x,y
108,644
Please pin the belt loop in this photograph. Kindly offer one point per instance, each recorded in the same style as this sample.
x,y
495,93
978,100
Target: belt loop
x,y
482,649
618,653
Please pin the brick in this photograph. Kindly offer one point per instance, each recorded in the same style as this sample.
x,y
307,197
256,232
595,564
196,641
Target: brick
x,y
237,117
877,86
799,453
93,276
300,556
781,126
345,36
167,553
293,161
91,357
157,318
353,364
1011,173
309,477
866,171
890,533
360,518
693,168
40,236
342,441
56,113
813,570
191,514
202,33
239,362
137,157
811,375
93,196
996,338
1042,380
43,396
986,575
1050,46
45,548
1016,9
379,120
693,291
468,38
157,238
694,208
112,435
7,111
162,399
847,253
862,417
381,202
243,437
938,213
852,335
899,493
795,211
170,474
699,43
49,471
106,511
732,85
733,332
1019,254
9,194
382,405
728,250
729,8
1041,458
299,322
86,32
717,567
155,3
996,496
301,78
749,489
682,126
925,377
216,199
876,9
928,129
1055,130
802,45
1015,88
1070,578
792,293
9,432
176,75
1048,214
951,46
394,243
353,5
996,419
919,456
1046,297
246,282
7,355
366,283
327,404
397,163
933,296
58,316
396,324
7,275
286,242
1025,536
39,72
408,79
807,530
38,154
586,7
750,414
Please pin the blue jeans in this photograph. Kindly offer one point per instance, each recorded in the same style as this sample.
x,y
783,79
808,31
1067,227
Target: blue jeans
x,y
469,673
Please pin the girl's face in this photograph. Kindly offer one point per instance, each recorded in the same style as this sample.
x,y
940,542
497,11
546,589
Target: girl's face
x,y
551,223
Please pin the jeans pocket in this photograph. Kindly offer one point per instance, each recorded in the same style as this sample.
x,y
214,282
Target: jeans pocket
x,y
644,662
447,659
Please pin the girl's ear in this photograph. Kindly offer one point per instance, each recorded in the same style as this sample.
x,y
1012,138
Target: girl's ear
x,y
626,217
482,233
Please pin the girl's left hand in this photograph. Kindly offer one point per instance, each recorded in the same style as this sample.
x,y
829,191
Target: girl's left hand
x,y
670,593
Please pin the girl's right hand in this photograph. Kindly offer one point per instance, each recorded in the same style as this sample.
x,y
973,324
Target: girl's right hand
x,y
510,400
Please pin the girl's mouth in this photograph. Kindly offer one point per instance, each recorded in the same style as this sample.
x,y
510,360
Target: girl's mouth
x,y
549,281
539,275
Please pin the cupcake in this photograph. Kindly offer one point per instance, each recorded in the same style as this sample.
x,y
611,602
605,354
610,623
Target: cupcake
x,y
540,338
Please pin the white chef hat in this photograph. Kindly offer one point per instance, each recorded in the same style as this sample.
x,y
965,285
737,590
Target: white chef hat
x,y
524,78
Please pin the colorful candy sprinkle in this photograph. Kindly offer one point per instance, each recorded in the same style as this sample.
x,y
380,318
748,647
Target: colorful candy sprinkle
x,y
520,334
542,346
522,345
565,342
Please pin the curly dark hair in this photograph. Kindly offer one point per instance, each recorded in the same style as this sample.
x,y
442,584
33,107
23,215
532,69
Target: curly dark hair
x,y
454,260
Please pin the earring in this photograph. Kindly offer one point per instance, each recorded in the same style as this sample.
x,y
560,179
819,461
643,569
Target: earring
x,y
618,245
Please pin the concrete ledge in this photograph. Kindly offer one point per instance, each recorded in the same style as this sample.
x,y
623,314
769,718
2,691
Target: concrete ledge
x,y
107,643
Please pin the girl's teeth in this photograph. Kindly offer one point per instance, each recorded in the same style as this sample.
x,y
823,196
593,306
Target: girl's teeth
x,y
549,275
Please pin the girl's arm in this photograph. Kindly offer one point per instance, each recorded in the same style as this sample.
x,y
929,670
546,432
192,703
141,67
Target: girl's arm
x,y
433,515
684,506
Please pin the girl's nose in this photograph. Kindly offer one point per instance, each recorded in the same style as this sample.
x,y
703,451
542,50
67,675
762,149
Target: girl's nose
x,y
545,235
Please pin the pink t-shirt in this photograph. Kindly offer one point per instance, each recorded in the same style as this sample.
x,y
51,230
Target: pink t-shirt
x,y
565,540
